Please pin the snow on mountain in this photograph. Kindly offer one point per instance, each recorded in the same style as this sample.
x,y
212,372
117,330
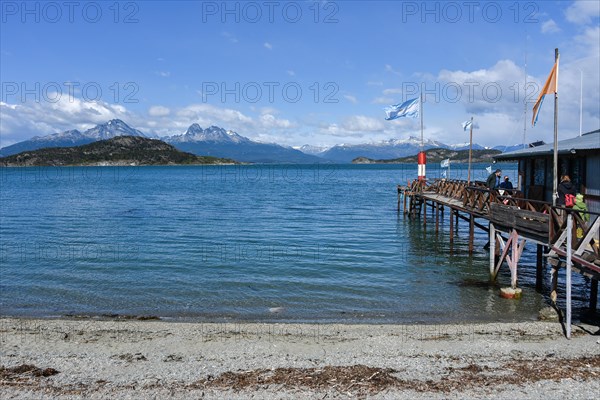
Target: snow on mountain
x,y
218,142
71,138
386,149
111,129
213,134
312,150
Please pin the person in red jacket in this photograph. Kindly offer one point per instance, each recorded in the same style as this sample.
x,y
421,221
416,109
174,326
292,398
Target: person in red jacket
x,y
565,187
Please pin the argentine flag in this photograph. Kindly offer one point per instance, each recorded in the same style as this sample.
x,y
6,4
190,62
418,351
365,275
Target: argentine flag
x,y
410,108
467,124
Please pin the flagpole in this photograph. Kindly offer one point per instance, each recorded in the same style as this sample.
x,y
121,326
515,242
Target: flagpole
x,y
580,101
555,164
421,112
470,152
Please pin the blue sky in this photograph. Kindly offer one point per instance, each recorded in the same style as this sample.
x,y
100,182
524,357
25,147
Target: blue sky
x,y
299,72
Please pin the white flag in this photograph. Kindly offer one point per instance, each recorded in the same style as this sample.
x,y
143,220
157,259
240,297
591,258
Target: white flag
x,y
489,169
445,163
410,108
467,124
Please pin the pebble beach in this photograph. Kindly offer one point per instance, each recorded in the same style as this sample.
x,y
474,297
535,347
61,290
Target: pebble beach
x,y
133,359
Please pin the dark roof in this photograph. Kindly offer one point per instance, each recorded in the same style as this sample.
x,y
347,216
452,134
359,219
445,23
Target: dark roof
x,y
587,142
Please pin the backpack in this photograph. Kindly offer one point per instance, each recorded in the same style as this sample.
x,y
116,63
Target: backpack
x,y
569,200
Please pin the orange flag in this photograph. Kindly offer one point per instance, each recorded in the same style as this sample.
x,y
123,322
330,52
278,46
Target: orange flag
x,y
550,87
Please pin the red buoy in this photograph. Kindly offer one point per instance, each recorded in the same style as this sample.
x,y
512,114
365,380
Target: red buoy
x,y
422,160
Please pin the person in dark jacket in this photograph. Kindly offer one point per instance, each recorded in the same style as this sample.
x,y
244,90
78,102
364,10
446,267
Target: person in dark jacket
x,y
565,187
493,181
507,185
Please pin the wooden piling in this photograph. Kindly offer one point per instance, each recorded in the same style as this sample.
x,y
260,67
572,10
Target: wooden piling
x,y
451,225
424,213
492,252
539,273
471,232
594,295
437,217
554,284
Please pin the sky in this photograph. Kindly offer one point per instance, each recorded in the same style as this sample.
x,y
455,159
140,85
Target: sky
x,y
299,72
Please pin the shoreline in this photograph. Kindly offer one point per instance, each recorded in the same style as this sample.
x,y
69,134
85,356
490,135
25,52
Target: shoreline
x,y
157,359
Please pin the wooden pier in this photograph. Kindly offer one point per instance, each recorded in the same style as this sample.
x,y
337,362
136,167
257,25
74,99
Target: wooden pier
x,y
512,221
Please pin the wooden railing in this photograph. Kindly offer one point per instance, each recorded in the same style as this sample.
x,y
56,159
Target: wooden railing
x,y
539,216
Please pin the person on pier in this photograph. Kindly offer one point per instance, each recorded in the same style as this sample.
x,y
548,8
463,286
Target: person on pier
x,y
493,181
565,189
507,185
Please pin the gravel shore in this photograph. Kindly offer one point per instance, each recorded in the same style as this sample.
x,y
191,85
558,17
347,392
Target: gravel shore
x,y
130,359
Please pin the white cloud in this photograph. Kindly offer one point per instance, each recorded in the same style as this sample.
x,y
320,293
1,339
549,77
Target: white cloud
x,y
230,36
290,72
583,11
268,45
158,111
22,121
164,74
550,27
351,99
361,123
390,69
491,90
269,121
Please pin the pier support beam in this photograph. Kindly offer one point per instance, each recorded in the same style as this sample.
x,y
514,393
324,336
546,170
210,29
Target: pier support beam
x,y
437,217
539,272
471,232
594,295
516,249
451,226
492,252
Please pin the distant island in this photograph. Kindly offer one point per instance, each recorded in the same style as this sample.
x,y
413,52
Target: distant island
x,y
437,155
118,151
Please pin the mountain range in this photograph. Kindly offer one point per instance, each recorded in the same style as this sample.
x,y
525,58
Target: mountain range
x,y
218,142
119,150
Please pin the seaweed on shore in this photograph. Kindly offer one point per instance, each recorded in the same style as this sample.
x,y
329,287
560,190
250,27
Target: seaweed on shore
x,y
25,371
364,379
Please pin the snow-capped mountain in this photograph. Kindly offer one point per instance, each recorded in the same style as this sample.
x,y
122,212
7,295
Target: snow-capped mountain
x,y
312,150
387,149
218,142
111,129
213,134
71,138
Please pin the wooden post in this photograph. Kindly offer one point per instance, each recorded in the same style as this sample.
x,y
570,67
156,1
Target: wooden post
x,y
451,225
492,251
594,295
398,208
456,216
424,212
471,232
514,258
539,275
437,217
404,207
554,284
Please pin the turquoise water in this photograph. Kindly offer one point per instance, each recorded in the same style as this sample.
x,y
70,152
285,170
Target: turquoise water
x,y
318,243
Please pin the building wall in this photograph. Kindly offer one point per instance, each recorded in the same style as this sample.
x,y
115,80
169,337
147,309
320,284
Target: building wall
x,y
593,182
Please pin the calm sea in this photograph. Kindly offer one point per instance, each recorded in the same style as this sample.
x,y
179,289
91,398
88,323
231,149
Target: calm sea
x,y
312,243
